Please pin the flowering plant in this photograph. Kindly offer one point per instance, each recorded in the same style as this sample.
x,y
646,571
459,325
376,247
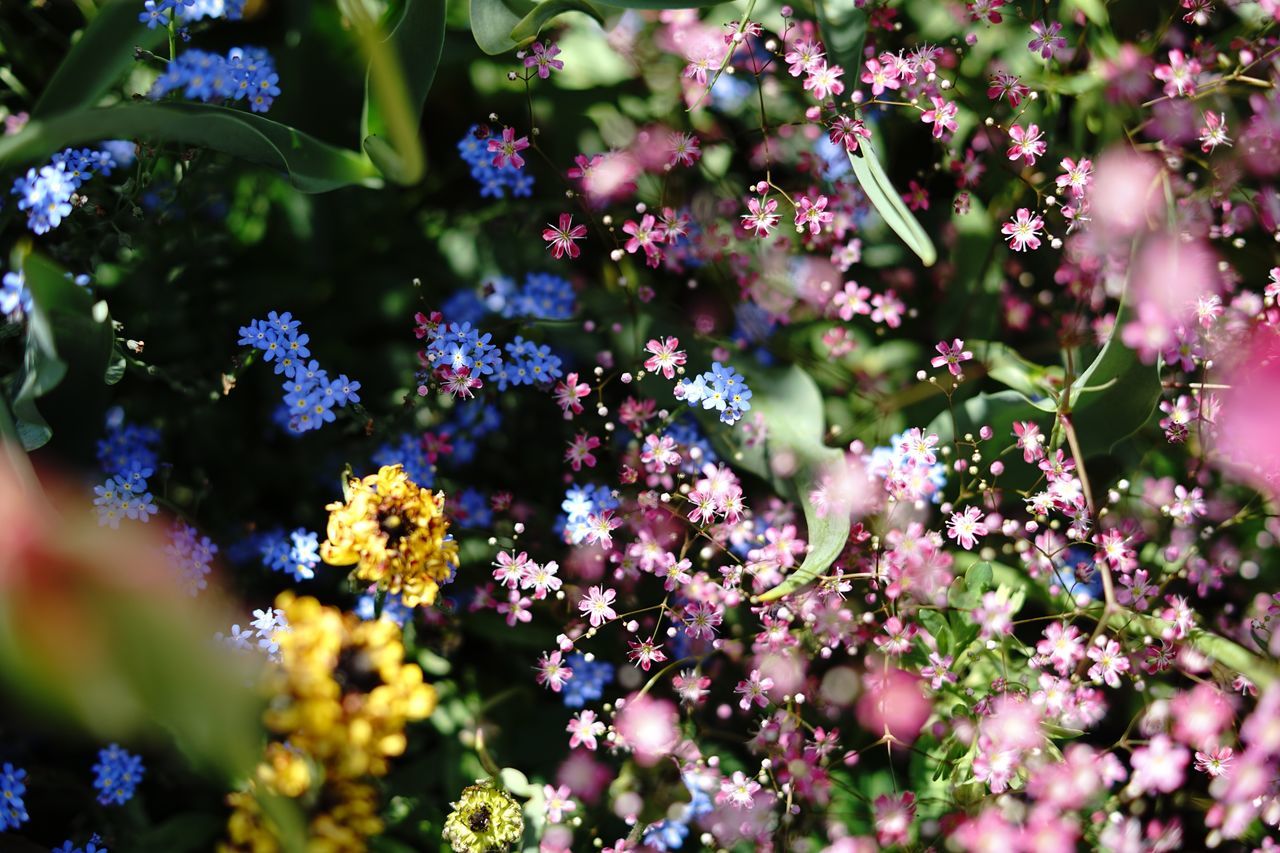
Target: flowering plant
x,y
835,427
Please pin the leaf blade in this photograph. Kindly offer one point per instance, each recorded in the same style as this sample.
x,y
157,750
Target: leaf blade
x,y
885,199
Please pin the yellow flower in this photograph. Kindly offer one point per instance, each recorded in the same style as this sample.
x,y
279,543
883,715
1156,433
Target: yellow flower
x,y
395,533
484,819
341,698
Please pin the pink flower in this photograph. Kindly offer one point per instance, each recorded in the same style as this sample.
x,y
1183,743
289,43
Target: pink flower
x,y
597,605
560,239
558,802
1178,75
649,727
645,653
1075,176
1159,766
895,812
1028,435
942,117
804,56
989,11
508,148
583,729
568,393
645,235
760,217
579,452
1005,85
1214,132
684,149
852,300
848,132
880,77
738,791
600,528
1027,144
824,81
887,308
813,214
1061,646
511,569
1110,662
553,672
1023,231
966,527
544,59
952,356
1214,762
754,691
667,356
701,620
659,453
1047,42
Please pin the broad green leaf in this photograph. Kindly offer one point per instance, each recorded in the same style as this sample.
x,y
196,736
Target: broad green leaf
x,y
311,165
492,22
793,457
979,577
97,60
971,307
844,29
531,24
885,199
402,68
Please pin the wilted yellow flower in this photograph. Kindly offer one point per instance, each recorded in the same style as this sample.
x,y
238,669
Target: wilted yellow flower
x,y
395,533
484,819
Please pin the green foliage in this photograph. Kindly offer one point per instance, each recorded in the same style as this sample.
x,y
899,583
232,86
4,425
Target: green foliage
x,y
888,203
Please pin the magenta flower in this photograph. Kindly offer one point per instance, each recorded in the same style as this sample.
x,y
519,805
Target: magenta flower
x,y
1178,75
848,132
942,117
583,730
597,605
824,81
754,691
880,77
560,239
544,59
553,672
667,356
508,148
684,149
1047,41
813,214
952,356
760,217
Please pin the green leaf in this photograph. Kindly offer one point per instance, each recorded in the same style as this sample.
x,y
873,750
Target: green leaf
x,y
492,22
97,60
979,577
885,199
793,457
402,68
62,331
311,165
844,29
531,24
1094,10
663,4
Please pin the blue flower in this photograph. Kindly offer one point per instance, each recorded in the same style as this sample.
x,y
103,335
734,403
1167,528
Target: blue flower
x,y
15,298
590,678
407,450
393,609
493,181
13,812
191,555
245,73
46,196
297,555
118,773
473,509
124,496
722,388
666,834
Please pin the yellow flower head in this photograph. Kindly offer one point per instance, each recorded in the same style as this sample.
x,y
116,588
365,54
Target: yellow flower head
x,y
484,819
395,533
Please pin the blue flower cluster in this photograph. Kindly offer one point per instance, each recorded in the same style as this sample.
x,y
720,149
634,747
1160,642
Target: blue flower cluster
x,y
266,625
590,678
309,395
722,388
494,181
472,509
543,296
128,458
94,845
407,450
527,364
580,502
244,74
191,555
45,193
393,609
463,430
297,554
118,773
15,298
13,812
158,13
